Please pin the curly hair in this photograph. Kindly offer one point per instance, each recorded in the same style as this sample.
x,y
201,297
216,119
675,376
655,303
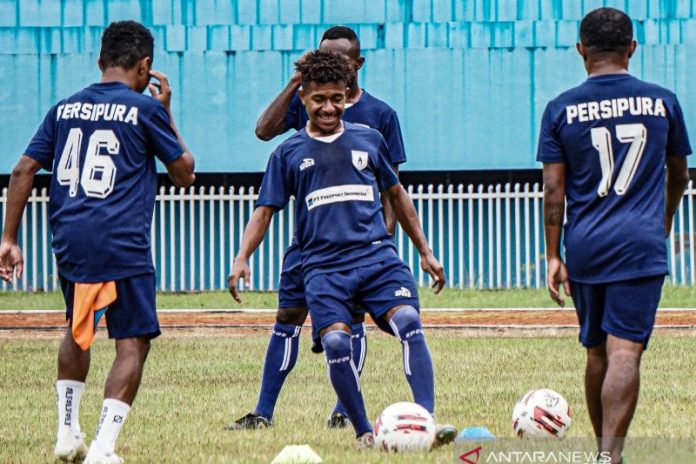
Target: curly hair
x,y
322,67
606,30
124,43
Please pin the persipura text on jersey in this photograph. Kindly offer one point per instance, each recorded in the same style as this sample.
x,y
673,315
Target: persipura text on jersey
x,y
615,108
98,111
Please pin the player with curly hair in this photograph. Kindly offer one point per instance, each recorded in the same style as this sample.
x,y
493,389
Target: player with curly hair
x,y
286,112
336,170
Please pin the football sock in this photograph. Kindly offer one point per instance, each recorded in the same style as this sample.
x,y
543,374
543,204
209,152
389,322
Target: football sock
x,y
68,395
344,378
359,342
418,365
114,413
281,357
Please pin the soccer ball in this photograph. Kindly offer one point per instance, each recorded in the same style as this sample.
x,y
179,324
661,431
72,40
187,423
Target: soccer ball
x,y
404,427
541,413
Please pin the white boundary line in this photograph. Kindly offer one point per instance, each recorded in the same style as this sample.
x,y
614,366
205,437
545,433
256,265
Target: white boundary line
x,y
272,311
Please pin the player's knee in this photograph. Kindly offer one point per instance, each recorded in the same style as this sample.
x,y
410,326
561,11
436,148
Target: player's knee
x,y
336,343
145,348
406,321
135,349
291,316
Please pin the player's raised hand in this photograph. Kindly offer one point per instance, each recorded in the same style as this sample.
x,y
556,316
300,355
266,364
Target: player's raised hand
x,y
161,92
240,270
296,79
557,275
11,259
432,266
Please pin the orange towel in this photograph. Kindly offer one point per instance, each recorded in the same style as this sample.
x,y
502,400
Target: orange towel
x,y
87,301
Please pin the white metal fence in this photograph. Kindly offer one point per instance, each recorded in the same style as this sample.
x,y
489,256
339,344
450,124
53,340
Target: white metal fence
x,y
485,236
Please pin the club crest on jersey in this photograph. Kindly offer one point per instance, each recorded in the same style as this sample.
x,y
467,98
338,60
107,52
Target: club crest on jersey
x,y
359,159
306,163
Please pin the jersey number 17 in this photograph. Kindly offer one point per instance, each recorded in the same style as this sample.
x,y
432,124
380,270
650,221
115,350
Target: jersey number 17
x,y
636,135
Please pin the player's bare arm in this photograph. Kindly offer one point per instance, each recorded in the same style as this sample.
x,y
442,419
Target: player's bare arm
x,y
554,208
407,216
252,238
271,122
181,170
675,184
19,190
389,217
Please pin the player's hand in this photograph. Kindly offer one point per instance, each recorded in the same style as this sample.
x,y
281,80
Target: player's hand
x,y
161,92
432,266
557,275
11,259
296,80
240,270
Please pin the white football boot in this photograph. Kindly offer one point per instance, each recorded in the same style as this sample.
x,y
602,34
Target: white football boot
x,y
70,446
97,456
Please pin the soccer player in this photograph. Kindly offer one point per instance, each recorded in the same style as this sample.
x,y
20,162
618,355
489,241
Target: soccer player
x,y
335,170
287,112
605,145
101,144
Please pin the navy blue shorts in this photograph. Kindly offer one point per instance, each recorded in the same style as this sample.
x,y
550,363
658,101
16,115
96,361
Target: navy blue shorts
x,y
332,297
623,309
291,291
133,314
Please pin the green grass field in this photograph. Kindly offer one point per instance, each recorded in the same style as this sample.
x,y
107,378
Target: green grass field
x,y
195,384
672,296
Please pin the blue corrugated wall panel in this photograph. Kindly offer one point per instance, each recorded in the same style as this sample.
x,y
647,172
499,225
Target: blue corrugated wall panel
x,y
219,12
469,79
8,13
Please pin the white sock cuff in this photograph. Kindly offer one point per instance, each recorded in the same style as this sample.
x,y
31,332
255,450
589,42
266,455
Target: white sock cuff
x,y
117,405
69,384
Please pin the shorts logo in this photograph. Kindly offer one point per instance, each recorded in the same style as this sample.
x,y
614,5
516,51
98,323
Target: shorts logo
x,y
306,163
403,292
359,159
338,194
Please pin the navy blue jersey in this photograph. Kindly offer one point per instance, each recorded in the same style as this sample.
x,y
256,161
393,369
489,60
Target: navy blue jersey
x,y
368,111
100,143
336,184
613,133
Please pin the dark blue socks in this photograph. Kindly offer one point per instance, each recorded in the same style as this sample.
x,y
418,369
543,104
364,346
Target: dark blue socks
x,y
418,365
344,378
359,343
281,356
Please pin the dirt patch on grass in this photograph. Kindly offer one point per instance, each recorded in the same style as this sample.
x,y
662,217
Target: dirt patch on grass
x,y
237,323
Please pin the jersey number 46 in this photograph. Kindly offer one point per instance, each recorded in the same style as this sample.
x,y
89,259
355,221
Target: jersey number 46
x,y
99,171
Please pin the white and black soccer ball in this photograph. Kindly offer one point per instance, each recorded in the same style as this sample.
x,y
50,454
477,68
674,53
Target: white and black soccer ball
x,y
404,427
542,413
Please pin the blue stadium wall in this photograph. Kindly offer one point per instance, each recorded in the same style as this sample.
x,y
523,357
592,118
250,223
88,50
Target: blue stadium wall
x,y
469,79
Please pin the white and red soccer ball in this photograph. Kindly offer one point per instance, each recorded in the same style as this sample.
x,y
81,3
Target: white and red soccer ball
x,y
404,427
542,413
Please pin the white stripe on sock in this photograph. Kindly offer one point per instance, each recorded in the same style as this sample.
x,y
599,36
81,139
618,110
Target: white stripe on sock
x,y
395,329
363,348
355,373
286,354
407,358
